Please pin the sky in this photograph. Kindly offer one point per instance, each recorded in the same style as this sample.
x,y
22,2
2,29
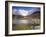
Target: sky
x,y
24,11
25,8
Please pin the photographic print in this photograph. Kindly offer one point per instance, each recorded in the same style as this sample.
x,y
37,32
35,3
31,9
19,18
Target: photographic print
x,y
23,18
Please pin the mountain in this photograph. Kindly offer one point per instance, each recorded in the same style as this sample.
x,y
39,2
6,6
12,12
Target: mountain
x,y
35,14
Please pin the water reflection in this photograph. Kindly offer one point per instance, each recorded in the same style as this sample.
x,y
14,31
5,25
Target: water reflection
x,y
23,22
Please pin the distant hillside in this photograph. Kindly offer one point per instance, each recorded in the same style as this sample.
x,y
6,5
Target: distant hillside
x,y
36,14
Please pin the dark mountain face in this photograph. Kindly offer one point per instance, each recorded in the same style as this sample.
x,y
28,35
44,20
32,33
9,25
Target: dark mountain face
x,y
35,14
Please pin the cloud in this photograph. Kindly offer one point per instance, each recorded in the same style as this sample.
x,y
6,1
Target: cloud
x,y
33,10
14,11
24,12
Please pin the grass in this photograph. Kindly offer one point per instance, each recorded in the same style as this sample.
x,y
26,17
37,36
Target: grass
x,y
23,27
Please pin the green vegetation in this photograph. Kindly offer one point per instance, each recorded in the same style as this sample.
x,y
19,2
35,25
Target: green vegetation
x,y
24,27
21,27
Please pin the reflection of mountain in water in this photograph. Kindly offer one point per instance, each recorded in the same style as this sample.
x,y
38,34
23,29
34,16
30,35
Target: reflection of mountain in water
x,y
18,19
